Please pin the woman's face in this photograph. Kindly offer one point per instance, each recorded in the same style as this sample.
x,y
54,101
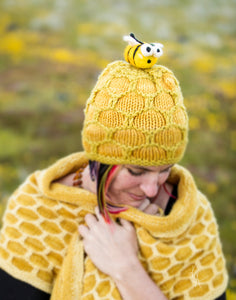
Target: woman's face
x,y
133,184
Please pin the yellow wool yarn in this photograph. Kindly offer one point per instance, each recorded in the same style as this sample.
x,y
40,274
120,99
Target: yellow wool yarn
x,y
135,116
39,242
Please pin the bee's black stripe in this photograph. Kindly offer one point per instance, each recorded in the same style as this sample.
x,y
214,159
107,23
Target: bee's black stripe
x,y
136,49
128,55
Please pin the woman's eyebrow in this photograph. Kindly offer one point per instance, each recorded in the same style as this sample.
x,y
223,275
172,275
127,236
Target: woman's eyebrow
x,y
141,168
168,167
148,170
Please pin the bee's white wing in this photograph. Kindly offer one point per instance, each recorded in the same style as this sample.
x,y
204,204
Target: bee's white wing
x,y
130,40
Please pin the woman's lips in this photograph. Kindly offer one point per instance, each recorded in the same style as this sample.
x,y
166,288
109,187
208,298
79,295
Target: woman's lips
x,y
137,197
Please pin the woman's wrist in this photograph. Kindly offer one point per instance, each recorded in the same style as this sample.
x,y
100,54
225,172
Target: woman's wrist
x,y
126,268
134,283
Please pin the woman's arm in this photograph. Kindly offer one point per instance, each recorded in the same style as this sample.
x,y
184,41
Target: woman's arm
x,y
134,283
113,249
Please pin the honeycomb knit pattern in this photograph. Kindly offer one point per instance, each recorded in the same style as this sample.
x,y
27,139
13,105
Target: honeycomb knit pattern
x,y
40,244
135,116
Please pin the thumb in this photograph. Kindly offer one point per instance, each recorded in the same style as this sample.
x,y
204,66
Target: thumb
x,y
126,224
152,209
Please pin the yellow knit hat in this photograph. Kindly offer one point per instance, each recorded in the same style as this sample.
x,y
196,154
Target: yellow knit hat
x,y
135,116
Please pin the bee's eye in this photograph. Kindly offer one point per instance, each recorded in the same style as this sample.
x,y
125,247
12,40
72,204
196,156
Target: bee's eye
x,y
146,49
157,49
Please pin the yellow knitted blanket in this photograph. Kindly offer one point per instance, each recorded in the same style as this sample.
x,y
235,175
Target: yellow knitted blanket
x,y
40,244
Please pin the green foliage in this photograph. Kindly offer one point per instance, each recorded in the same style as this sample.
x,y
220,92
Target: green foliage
x,y
51,53
231,295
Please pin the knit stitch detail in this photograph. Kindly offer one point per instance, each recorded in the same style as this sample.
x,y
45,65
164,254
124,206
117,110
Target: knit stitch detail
x,y
135,116
40,244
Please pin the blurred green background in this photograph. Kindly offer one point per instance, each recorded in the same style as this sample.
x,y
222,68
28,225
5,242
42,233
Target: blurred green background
x,y
51,52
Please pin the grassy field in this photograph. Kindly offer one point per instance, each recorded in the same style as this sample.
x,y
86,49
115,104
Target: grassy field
x,y
51,53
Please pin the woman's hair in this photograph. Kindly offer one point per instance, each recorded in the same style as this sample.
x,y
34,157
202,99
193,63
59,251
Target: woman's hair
x,y
103,175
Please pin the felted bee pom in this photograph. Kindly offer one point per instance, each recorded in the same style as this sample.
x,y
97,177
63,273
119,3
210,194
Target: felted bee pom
x,y
141,55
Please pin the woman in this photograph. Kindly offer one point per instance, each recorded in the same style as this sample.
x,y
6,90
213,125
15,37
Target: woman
x,y
153,235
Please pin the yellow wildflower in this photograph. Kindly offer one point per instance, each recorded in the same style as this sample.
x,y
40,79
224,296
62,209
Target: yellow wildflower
x,y
211,188
194,123
63,55
12,44
228,88
216,122
204,63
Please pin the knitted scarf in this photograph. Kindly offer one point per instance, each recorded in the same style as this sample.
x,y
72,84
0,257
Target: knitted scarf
x,y
40,244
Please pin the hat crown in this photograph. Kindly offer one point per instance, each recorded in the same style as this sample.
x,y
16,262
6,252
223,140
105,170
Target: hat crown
x,y
135,116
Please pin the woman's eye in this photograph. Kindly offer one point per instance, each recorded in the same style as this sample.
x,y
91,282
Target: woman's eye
x,y
134,173
166,170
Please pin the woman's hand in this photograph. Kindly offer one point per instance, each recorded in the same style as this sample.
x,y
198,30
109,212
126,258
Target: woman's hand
x,y
111,247
149,208
106,243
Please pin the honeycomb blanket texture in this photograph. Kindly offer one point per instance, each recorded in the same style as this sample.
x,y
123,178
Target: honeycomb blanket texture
x,y
40,244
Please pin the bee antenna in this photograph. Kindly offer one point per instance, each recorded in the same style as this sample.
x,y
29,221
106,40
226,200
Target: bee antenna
x,y
133,36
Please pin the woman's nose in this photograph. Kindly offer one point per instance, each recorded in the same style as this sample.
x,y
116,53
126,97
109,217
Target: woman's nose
x,y
150,188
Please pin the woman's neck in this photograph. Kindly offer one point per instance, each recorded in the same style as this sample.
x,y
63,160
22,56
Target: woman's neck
x,y
86,184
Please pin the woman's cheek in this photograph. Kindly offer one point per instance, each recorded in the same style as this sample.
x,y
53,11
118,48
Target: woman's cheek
x,y
125,181
163,177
